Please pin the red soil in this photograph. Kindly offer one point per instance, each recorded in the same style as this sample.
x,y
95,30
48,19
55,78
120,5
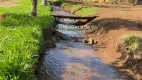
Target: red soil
x,y
113,23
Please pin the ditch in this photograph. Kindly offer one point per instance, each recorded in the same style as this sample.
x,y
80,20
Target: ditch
x,y
73,59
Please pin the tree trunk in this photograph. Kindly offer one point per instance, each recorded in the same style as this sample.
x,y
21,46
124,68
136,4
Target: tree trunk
x,y
34,7
44,3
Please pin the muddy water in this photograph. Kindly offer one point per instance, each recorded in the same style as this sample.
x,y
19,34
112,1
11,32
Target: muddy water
x,y
74,60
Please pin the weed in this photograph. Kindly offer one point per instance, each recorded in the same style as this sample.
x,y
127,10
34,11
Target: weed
x,y
80,10
132,44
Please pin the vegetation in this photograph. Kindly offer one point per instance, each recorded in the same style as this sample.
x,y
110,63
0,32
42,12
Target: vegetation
x,y
57,0
21,40
132,44
80,9
131,49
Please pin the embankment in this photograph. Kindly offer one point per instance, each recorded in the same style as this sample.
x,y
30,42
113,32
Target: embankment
x,y
108,34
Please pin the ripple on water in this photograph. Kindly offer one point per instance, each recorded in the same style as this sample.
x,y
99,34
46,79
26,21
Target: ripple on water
x,y
76,61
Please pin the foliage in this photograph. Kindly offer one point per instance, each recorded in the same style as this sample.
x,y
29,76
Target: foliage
x,y
21,40
132,44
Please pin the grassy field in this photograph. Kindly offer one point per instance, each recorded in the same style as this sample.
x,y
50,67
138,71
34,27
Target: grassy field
x,y
79,9
21,40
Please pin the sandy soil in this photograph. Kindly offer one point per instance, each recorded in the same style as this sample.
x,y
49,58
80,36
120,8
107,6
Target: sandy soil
x,y
8,3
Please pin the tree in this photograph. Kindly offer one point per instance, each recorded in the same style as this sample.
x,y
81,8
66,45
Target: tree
x,y
44,3
34,8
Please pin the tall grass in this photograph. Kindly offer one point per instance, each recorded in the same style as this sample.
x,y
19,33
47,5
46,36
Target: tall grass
x,y
80,10
21,39
132,44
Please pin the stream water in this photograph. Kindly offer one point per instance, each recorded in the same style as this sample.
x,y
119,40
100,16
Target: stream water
x,y
74,60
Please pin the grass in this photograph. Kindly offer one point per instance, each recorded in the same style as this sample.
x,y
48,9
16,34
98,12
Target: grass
x,y
21,40
132,43
80,10
57,0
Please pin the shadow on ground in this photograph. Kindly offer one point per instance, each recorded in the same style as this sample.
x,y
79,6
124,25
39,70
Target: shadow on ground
x,y
116,24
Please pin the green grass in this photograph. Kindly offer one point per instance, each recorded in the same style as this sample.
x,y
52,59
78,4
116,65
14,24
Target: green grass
x,y
57,0
132,43
80,10
21,40
88,11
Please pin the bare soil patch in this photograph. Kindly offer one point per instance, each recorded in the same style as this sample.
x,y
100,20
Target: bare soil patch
x,y
115,22
8,3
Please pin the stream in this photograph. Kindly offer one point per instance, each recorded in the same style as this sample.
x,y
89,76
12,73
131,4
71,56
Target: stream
x,y
75,60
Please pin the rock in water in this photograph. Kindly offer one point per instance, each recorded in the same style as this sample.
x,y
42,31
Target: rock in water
x,y
90,40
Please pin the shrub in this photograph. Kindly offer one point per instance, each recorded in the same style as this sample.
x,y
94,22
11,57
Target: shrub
x,y
131,45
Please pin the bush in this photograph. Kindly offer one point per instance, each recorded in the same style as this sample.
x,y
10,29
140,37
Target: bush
x,y
131,45
131,49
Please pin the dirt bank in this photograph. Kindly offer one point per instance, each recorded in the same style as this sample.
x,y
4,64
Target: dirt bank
x,y
108,35
51,37
115,21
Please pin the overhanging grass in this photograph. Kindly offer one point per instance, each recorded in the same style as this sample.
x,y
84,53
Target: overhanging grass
x,y
80,10
132,43
21,39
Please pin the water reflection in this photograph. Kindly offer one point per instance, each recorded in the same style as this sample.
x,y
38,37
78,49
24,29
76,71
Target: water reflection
x,y
76,61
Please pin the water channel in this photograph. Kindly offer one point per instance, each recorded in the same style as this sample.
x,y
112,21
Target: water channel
x,y
74,60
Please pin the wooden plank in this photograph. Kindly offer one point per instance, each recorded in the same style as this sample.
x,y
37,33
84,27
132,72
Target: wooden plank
x,y
74,17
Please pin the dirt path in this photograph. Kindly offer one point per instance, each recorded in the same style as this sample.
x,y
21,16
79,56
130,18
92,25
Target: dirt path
x,y
9,3
132,14
115,11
